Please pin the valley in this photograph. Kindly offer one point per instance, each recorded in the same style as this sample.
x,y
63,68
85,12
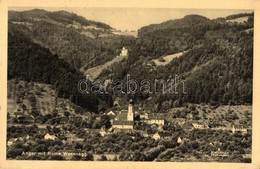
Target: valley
x,y
48,118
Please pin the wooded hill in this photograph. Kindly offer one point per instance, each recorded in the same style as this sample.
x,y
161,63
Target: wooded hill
x,y
217,67
80,42
31,62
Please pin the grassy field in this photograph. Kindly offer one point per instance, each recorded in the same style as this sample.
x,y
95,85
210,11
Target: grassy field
x,y
167,59
94,72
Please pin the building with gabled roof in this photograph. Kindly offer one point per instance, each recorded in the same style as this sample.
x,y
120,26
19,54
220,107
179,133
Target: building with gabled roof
x,y
125,118
161,135
111,113
179,140
155,118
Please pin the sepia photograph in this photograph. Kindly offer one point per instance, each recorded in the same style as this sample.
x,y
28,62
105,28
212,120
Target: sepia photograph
x,y
129,84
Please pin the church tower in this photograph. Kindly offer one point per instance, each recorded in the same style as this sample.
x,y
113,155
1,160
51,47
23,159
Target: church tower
x,y
131,111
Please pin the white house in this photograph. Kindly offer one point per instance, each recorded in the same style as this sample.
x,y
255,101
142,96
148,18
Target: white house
x,y
50,137
156,136
111,113
124,52
179,140
11,141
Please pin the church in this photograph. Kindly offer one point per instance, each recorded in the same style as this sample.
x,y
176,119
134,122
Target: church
x,y
125,118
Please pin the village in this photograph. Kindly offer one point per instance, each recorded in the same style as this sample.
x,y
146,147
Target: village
x,y
124,133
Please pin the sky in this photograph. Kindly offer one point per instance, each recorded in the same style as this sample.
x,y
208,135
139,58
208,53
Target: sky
x,y
135,18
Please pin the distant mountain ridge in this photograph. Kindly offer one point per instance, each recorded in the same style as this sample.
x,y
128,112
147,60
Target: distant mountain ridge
x,y
63,17
80,42
186,21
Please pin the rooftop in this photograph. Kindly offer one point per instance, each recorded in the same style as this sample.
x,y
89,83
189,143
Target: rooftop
x,y
122,116
123,123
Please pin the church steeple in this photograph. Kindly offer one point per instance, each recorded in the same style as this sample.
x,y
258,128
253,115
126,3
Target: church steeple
x,y
130,113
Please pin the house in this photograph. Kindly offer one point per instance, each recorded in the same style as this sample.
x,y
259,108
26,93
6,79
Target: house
x,y
179,140
144,115
124,52
11,141
102,132
156,136
111,113
27,137
125,119
155,118
50,137
238,128
160,135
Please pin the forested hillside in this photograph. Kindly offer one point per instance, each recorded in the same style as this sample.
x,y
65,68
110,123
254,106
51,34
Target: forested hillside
x,y
217,67
58,17
31,62
80,42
